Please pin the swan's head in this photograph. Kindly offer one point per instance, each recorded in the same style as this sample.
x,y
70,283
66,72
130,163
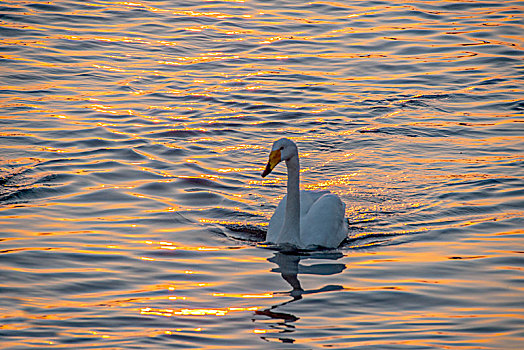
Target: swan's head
x,y
283,149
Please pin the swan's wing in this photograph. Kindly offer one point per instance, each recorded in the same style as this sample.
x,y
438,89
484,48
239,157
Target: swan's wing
x,y
324,224
307,198
276,222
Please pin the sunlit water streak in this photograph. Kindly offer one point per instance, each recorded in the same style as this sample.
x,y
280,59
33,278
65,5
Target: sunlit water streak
x,y
133,135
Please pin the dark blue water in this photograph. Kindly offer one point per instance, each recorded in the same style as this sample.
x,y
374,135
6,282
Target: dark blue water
x,y
133,135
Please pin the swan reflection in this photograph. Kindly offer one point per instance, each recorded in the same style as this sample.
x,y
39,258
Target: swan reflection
x,y
289,267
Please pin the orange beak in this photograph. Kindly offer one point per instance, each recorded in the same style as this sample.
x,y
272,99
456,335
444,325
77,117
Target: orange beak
x,y
274,159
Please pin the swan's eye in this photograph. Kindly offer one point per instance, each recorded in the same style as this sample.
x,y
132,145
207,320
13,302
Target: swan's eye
x,y
281,148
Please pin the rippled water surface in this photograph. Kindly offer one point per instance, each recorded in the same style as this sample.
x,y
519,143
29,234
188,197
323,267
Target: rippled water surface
x,y
133,135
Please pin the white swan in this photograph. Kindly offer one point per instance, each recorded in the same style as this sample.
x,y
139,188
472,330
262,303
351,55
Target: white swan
x,y
303,219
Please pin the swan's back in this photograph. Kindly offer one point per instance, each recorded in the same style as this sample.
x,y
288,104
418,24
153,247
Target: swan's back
x,y
322,221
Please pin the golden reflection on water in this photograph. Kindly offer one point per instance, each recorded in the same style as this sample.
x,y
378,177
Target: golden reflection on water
x,y
195,312
179,246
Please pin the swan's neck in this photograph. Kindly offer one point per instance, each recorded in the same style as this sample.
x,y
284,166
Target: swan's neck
x,y
291,229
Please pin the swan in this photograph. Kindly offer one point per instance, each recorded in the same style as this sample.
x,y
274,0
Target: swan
x,y
303,219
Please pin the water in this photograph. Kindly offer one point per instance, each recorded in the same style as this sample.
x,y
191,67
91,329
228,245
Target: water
x,y
134,135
